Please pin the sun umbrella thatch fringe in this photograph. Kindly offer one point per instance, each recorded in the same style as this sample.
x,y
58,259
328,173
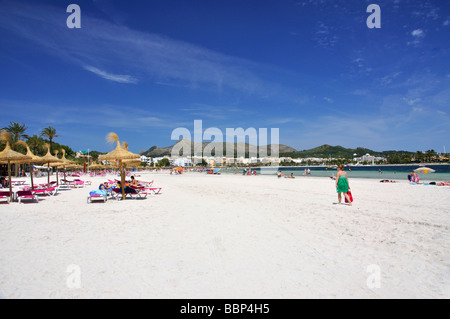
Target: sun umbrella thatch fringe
x,y
10,156
34,159
50,159
119,154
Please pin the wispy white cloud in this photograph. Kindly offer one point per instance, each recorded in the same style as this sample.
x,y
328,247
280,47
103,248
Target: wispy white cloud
x,y
418,33
411,101
112,77
109,49
417,36
388,79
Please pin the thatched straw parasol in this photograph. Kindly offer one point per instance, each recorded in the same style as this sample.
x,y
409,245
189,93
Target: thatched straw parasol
x,y
119,154
74,166
130,162
10,156
95,166
34,159
50,159
65,162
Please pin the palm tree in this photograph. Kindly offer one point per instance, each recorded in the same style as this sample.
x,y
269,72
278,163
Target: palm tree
x,y
49,133
36,145
16,130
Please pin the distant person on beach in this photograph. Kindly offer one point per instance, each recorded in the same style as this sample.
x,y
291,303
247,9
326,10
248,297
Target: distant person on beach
x,y
3,182
342,184
279,174
413,177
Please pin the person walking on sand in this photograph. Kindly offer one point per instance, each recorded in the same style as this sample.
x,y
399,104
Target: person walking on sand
x,y
342,184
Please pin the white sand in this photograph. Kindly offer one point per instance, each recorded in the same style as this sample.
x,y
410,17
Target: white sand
x,y
231,237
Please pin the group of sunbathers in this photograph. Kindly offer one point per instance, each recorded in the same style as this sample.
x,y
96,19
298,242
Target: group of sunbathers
x,y
130,186
280,175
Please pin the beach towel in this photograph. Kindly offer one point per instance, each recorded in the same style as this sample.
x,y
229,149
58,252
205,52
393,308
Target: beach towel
x,y
99,192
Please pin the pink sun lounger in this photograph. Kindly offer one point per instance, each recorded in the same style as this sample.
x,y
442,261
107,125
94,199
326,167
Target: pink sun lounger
x,y
5,196
52,191
92,198
26,195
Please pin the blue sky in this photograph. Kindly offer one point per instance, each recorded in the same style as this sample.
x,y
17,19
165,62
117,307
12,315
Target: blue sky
x,y
311,68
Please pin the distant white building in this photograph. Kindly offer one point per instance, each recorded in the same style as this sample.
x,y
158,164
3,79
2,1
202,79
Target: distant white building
x,y
182,162
369,158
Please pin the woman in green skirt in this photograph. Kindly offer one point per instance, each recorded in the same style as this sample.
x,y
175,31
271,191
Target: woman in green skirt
x,y
342,185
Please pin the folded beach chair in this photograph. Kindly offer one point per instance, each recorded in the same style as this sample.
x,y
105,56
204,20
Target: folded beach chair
x,y
52,191
5,196
17,183
26,195
75,184
80,182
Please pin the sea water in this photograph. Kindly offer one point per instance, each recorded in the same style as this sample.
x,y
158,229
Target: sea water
x,y
381,172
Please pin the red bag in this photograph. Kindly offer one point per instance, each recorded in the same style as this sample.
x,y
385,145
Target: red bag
x,y
349,196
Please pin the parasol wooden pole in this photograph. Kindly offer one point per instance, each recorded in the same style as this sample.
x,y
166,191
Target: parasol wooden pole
x,y
48,173
122,174
31,174
10,184
57,178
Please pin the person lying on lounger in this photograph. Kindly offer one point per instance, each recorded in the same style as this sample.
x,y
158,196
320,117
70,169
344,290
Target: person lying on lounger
x,y
127,188
136,183
105,186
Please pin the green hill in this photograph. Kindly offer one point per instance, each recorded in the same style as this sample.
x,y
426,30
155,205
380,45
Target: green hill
x,y
326,151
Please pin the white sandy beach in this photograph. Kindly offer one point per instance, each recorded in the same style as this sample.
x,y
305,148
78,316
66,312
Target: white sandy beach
x,y
231,236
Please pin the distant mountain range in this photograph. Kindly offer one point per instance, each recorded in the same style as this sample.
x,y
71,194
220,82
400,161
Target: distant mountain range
x,y
324,151
167,151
